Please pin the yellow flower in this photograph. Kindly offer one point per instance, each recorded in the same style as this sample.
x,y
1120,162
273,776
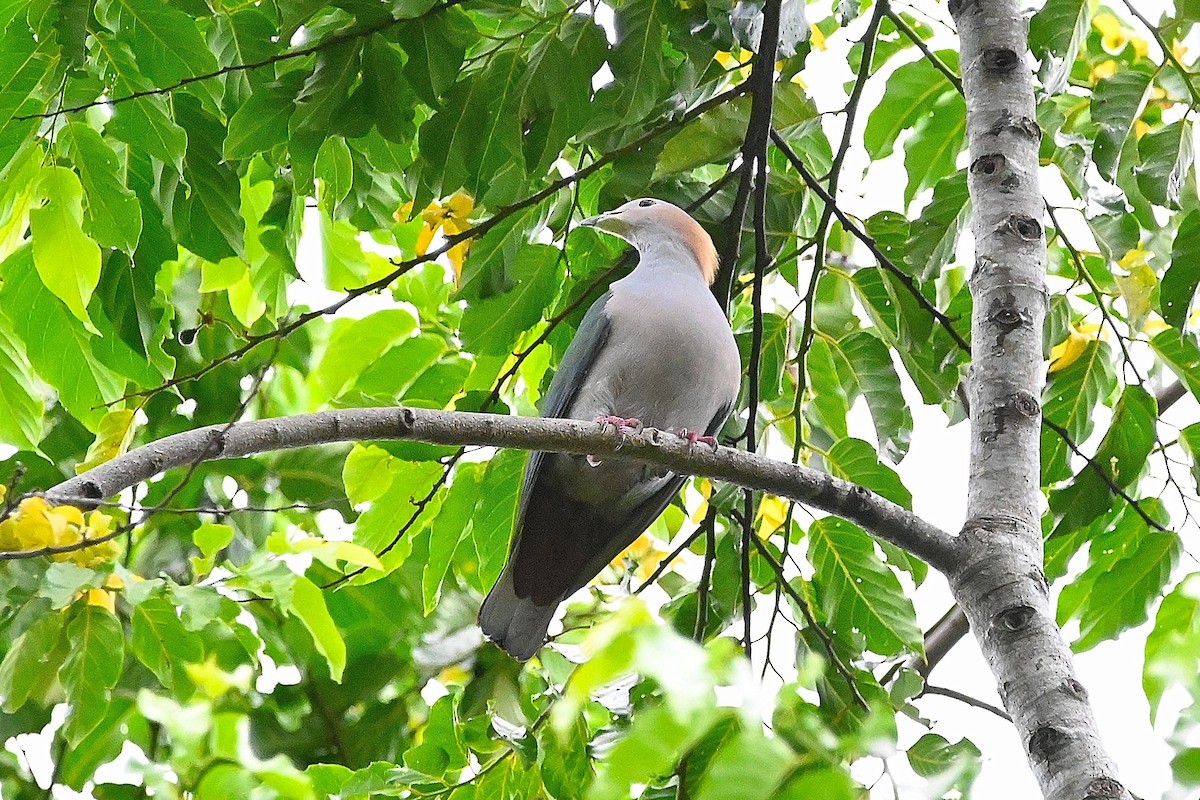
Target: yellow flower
x,y
1137,257
1068,351
817,38
1112,34
1105,69
730,61
772,513
451,219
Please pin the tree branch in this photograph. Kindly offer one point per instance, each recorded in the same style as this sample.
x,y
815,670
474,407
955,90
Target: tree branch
x,y
882,517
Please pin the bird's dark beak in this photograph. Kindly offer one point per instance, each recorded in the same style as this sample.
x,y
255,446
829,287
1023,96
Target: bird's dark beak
x,y
610,222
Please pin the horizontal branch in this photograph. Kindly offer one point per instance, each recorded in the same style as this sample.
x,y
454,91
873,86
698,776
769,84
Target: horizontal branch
x,y
881,517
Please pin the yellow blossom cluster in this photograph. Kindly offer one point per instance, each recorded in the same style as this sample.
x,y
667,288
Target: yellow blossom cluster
x,y
35,524
451,218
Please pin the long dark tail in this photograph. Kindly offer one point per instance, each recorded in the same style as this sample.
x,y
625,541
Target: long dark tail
x,y
514,623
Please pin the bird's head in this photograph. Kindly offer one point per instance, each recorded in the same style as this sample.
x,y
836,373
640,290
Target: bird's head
x,y
647,222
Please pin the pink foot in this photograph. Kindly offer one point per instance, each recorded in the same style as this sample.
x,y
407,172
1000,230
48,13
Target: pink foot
x,y
693,438
621,426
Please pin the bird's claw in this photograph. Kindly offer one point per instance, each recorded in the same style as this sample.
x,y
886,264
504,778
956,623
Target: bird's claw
x,y
692,438
621,426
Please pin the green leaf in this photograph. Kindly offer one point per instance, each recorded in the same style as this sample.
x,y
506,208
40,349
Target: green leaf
x,y
167,41
1069,401
92,667
112,438
145,122
335,171
326,89
865,363
262,121
211,538
162,643
391,486
435,46
931,153
306,602
858,593
1130,565
355,346
492,325
651,747
1055,35
1181,354
857,461
112,214
934,236
556,89
23,66
32,661
1116,104
66,258
206,204
747,767
79,763
453,524
492,524
638,65
1173,646
956,764
58,346
1122,455
1178,288
1166,155
21,405
911,91
830,402
714,137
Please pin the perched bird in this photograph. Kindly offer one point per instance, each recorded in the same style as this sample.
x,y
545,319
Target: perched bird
x,y
654,350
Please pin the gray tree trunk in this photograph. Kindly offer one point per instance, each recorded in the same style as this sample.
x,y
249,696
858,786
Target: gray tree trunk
x,y
999,580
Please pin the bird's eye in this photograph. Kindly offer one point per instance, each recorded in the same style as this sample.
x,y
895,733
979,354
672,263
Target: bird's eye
x,y
646,203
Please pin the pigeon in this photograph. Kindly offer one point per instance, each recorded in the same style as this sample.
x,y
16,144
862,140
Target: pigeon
x,y
655,350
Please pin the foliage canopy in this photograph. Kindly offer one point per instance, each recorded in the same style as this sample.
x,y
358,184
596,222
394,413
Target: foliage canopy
x,y
301,624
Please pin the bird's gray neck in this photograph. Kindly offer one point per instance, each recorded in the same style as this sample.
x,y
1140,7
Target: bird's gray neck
x,y
663,258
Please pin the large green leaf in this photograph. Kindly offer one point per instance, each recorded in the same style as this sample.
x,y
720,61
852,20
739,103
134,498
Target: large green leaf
x,y
857,461
911,91
1116,104
1167,156
161,642
933,237
1069,401
167,41
1056,33
1122,456
860,595
66,258
1130,565
21,405
638,63
1177,291
58,346
492,325
865,363
354,347
92,666
142,122
1182,355
112,214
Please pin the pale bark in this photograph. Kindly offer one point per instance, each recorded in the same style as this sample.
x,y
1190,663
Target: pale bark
x,y
999,580
881,517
